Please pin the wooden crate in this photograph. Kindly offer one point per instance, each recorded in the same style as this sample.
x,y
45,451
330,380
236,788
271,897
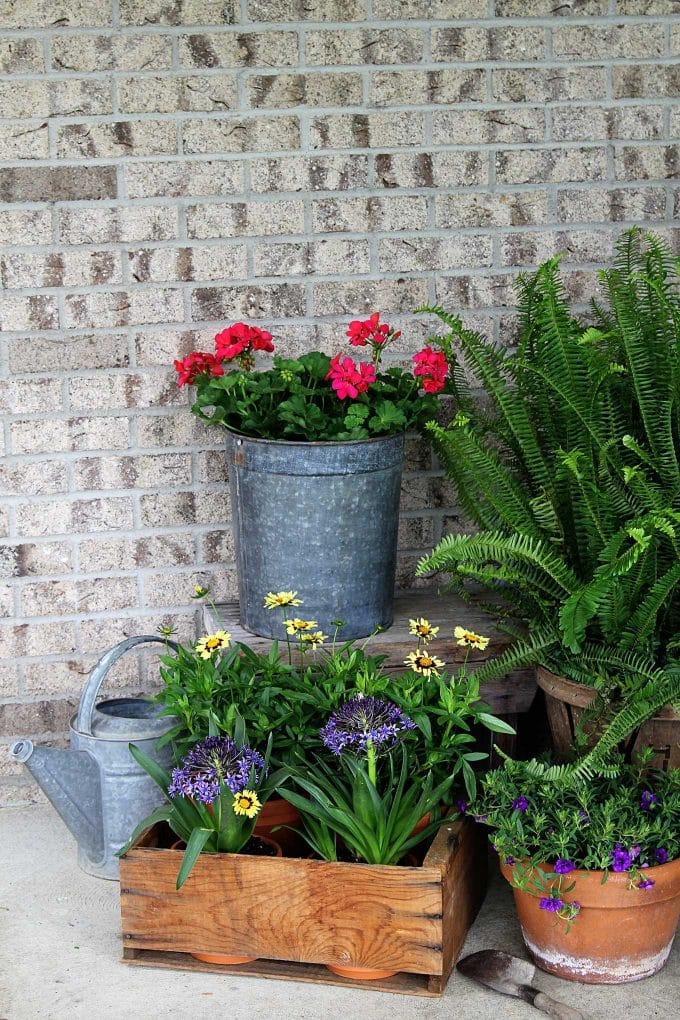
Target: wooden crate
x,y
296,914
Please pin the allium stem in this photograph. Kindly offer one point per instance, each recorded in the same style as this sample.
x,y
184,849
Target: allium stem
x,y
371,762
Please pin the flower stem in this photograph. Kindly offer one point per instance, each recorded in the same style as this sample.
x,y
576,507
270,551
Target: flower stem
x,y
371,762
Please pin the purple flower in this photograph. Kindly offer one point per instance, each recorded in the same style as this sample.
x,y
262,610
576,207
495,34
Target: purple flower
x,y
620,858
584,817
647,799
550,904
646,883
480,818
563,866
211,764
462,806
361,720
634,852
520,804
575,906
660,855
510,861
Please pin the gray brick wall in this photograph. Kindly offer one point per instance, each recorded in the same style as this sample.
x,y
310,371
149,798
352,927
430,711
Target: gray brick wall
x,y
167,166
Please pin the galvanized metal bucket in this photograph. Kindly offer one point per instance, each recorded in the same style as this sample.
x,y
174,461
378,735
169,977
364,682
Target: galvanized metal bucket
x,y
320,519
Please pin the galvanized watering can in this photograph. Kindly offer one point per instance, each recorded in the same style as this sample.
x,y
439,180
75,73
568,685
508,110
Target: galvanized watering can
x,y
97,787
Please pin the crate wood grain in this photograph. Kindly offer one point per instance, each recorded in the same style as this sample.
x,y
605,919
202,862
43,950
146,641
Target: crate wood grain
x,y
510,695
296,914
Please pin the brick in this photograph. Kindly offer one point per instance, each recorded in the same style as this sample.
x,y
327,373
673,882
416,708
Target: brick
x,y
212,467
543,85
548,8
122,308
48,598
34,558
483,209
24,141
319,173
585,123
577,245
306,10
59,269
581,285
196,263
277,91
425,9
239,49
452,85
177,12
74,434
597,42
476,291
245,220
550,165
148,180
174,589
115,52
121,139
54,13
324,257
19,313
253,302
167,95
218,547
31,99
80,98
472,44
652,81
57,184
362,296
611,204
56,679
31,639
68,353
22,396
99,635
369,214
29,226
364,46
141,472
4,522
131,554
646,162
409,254
521,124
240,134
415,533
161,348
9,684
360,130
675,38
81,225
437,170
33,478
646,7
166,509
125,390
19,56
170,430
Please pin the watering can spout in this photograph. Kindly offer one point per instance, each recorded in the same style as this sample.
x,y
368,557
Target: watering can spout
x,y
70,780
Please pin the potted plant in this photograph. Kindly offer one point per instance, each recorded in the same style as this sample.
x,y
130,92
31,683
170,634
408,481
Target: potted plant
x,y
570,471
314,449
595,867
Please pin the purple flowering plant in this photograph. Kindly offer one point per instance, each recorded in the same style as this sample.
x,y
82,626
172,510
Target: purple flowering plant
x,y
547,827
213,797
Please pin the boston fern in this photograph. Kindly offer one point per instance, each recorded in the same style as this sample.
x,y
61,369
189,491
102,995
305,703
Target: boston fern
x,y
570,470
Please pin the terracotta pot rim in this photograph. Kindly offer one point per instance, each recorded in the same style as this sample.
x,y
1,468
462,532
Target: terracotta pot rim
x,y
579,695
590,890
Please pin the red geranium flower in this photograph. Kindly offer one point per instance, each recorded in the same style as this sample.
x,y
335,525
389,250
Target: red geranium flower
x,y
239,338
348,379
433,367
198,363
370,330
260,339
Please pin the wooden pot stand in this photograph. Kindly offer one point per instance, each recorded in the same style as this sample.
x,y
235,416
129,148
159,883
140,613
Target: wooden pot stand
x,y
296,915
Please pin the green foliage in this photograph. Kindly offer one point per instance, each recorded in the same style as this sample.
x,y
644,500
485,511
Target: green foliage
x,y
570,470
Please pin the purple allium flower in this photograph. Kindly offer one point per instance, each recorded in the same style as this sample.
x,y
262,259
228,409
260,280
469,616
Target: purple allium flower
x,y
584,817
563,866
462,806
520,804
634,851
660,855
647,799
362,719
212,763
646,883
550,904
620,858
575,906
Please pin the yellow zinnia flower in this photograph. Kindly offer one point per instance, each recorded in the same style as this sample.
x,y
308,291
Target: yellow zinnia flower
x,y
468,637
422,628
295,625
246,803
273,600
314,639
421,662
213,643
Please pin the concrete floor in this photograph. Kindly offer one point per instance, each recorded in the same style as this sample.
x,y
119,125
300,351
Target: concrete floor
x,y
60,950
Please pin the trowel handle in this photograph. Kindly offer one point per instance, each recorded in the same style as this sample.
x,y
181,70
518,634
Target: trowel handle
x,y
99,673
558,1010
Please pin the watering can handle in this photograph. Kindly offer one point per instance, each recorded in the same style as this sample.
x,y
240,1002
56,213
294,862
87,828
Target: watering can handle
x,y
99,673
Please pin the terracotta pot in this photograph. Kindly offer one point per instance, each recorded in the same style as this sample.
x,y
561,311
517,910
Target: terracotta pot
x,y
620,934
565,703
223,959
360,973
276,811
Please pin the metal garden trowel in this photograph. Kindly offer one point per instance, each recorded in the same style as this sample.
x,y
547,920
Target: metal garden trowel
x,y
511,976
